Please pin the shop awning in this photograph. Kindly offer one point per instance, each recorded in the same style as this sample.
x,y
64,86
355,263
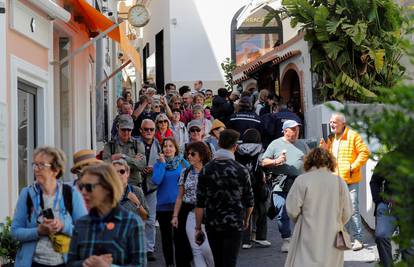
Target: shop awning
x,y
97,22
275,57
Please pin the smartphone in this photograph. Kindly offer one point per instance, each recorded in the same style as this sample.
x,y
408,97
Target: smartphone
x,y
48,214
200,238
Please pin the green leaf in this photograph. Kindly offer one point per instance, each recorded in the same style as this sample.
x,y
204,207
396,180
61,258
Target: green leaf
x,y
332,49
378,56
332,26
356,32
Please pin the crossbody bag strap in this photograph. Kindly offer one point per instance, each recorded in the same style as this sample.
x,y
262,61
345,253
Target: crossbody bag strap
x,y
340,206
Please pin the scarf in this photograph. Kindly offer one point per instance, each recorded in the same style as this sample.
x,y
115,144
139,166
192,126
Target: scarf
x,y
173,163
160,136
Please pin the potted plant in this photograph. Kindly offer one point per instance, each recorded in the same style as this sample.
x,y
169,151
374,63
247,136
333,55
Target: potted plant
x,y
8,246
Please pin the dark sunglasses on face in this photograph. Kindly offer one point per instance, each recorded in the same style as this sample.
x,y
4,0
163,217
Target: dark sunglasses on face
x,y
177,103
164,121
148,129
156,106
88,187
193,130
121,171
192,153
125,130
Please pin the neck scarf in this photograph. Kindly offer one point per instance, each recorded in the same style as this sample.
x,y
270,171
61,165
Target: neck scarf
x,y
174,162
160,136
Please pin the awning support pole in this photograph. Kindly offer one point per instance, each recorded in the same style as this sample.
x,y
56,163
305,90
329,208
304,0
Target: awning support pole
x,y
86,45
113,73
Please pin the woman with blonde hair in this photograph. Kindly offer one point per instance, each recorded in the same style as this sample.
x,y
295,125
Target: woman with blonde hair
x,y
319,203
162,125
109,235
45,212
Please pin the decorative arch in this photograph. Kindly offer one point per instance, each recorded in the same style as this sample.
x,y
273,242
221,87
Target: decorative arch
x,y
251,39
291,86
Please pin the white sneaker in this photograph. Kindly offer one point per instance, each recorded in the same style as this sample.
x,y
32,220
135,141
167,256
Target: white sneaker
x,y
263,243
285,245
246,246
357,245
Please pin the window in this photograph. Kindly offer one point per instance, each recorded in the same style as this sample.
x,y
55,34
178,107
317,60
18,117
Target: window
x,y
251,40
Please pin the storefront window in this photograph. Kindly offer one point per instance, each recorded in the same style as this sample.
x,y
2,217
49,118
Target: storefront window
x,y
252,40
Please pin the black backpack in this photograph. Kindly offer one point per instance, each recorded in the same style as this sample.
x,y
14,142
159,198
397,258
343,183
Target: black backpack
x,y
67,201
112,146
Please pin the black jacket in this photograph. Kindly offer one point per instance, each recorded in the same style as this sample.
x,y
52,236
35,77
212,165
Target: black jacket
x,y
222,109
243,120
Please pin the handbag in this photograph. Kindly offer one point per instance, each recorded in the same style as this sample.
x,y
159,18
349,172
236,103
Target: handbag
x,y
60,243
342,238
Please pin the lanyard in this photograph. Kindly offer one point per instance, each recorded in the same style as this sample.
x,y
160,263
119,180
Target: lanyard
x,y
55,202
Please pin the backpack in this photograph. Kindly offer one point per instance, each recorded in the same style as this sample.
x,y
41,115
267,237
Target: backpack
x,y
67,201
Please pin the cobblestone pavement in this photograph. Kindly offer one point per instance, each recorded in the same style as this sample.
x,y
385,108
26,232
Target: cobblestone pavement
x,y
271,256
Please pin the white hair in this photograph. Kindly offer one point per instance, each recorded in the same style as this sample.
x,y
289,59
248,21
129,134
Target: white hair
x,y
340,116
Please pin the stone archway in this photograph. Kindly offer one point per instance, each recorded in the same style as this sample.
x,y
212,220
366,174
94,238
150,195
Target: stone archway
x,y
291,88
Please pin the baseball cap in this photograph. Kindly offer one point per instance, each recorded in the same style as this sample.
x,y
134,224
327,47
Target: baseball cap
x,y
125,122
290,124
194,123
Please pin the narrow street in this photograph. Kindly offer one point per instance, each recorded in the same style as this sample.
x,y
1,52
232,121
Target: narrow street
x,y
271,256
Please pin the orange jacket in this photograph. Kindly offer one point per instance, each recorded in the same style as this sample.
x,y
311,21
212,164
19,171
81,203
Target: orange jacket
x,y
352,155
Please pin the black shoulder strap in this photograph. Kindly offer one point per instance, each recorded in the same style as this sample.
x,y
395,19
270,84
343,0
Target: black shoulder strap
x,y
29,205
112,147
67,198
186,172
135,146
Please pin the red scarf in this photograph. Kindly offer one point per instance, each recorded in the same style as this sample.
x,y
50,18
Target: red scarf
x,y
161,136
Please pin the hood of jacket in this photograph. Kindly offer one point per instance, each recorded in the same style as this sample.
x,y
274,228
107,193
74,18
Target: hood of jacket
x,y
250,149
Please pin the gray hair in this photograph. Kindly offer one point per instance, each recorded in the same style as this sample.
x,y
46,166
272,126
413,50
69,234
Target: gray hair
x,y
145,121
121,162
340,116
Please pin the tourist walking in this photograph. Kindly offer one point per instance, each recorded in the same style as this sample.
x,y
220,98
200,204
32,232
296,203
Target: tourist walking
x,y
319,204
109,235
225,192
45,212
198,154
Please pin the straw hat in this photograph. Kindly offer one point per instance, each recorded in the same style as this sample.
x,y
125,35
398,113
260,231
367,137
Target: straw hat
x,y
217,124
82,158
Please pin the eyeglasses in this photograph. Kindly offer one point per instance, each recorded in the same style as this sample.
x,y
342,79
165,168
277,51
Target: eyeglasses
x,y
193,130
192,153
164,121
148,129
40,166
125,130
88,187
121,171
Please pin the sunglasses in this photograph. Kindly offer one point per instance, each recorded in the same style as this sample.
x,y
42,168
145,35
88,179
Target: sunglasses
x,y
148,129
192,153
121,171
156,106
125,130
88,187
164,121
193,130
177,103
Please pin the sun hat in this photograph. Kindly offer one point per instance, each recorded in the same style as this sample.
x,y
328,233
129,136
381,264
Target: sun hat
x,y
82,158
217,124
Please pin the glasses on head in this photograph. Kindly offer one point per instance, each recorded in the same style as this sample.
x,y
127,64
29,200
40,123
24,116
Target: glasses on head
x,y
41,166
148,129
193,130
192,153
88,186
163,121
126,130
121,171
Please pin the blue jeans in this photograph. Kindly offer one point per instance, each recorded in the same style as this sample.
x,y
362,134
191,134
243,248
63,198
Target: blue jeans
x,y
354,225
282,218
150,222
385,225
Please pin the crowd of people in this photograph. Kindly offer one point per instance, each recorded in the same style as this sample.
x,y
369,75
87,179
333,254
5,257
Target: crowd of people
x,y
210,169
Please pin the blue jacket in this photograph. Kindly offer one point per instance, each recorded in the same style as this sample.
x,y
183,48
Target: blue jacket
x,y
167,181
26,232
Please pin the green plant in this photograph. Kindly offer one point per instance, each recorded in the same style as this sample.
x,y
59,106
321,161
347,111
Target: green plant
x,y
393,128
355,45
228,66
8,246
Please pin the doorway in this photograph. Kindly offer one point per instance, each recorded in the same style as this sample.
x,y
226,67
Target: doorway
x,y
27,129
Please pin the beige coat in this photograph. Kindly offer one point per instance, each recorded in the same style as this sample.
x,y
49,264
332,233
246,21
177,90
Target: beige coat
x,y
313,204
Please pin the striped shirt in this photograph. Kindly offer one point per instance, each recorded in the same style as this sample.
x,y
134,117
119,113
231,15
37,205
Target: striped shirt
x,y
120,233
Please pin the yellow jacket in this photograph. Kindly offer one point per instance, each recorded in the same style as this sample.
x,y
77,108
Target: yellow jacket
x,y
352,155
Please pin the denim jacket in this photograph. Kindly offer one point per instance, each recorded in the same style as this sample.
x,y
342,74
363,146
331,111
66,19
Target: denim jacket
x,y
25,231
